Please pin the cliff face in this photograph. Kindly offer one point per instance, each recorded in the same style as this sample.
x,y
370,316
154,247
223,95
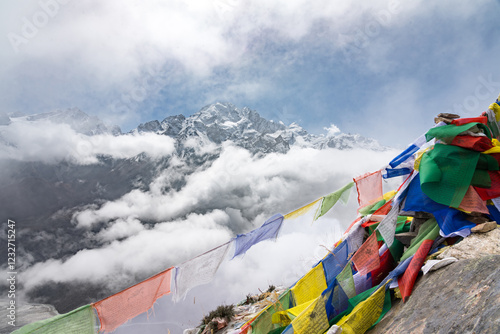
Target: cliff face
x,y
463,297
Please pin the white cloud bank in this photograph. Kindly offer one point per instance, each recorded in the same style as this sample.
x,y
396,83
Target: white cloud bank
x,y
50,143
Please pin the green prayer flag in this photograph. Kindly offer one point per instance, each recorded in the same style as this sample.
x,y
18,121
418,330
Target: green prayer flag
x,y
79,321
330,200
428,231
446,173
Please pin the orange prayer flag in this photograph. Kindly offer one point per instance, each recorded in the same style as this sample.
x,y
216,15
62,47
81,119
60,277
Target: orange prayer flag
x,y
129,303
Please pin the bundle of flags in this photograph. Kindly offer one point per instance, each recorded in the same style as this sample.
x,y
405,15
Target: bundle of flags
x,y
451,184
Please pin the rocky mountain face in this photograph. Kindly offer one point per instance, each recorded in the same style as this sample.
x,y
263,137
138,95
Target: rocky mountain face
x,y
43,197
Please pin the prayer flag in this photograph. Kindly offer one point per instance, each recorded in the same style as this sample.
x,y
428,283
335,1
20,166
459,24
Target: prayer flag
x,y
369,187
302,211
449,219
334,262
268,230
310,286
408,152
472,202
198,271
407,281
79,321
330,200
364,315
387,226
446,173
451,131
366,258
346,281
125,305
313,319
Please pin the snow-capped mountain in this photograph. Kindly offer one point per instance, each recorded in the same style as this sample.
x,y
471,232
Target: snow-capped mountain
x,y
220,122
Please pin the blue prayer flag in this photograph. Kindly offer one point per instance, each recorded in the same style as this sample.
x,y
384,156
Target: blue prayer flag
x,y
268,230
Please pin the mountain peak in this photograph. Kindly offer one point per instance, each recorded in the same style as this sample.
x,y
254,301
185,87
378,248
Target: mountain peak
x,y
223,121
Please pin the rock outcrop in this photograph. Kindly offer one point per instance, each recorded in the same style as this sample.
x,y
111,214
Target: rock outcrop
x,y
463,297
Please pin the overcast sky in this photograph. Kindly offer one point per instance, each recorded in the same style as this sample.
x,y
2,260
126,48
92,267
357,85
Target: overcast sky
x,y
380,68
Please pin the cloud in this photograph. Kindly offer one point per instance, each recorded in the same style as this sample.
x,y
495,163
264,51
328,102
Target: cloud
x,y
332,130
145,251
51,143
250,184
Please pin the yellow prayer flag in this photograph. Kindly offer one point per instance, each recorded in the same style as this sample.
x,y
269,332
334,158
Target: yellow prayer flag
x,y
313,320
496,108
495,148
303,210
364,315
310,286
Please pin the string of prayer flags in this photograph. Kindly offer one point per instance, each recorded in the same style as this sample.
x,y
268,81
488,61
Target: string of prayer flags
x,y
268,230
330,200
369,187
79,321
310,286
407,281
117,309
366,259
302,211
198,271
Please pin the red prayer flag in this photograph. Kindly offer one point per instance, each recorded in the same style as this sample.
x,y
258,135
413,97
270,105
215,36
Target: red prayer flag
x,y
407,281
494,190
387,264
479,144
366,259
462,121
